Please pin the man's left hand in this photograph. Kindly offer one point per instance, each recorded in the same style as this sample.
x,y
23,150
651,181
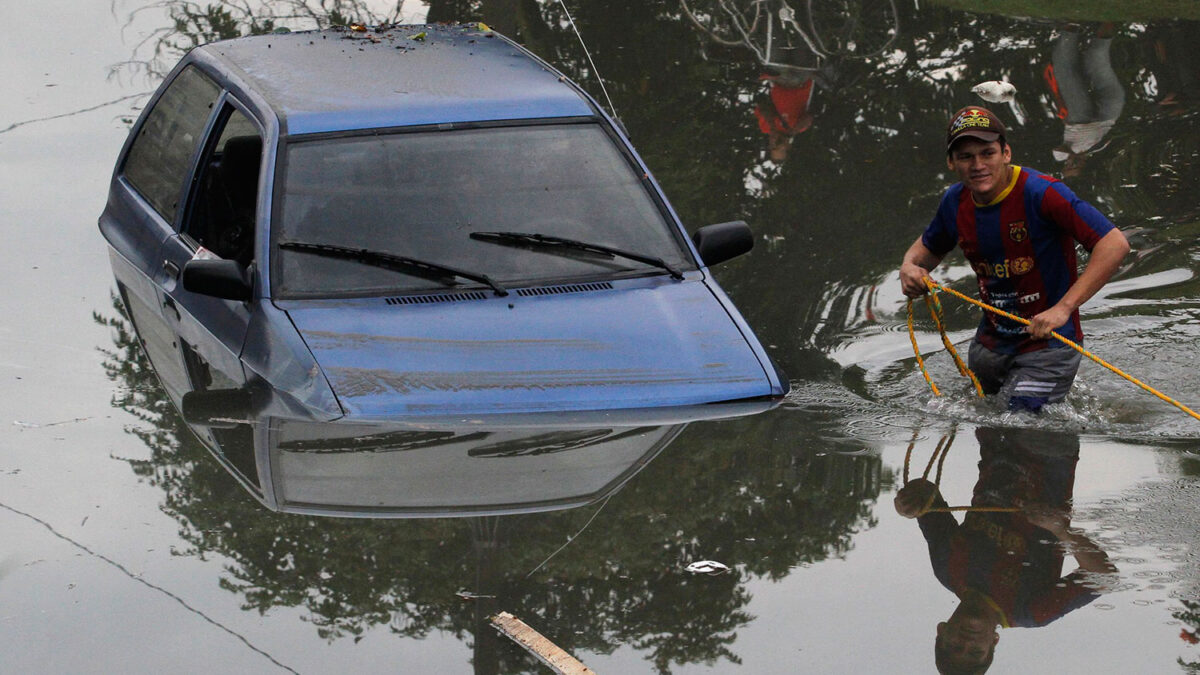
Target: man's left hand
x,y
1041,325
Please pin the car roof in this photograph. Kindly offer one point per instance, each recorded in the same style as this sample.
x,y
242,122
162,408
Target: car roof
x,y
343,79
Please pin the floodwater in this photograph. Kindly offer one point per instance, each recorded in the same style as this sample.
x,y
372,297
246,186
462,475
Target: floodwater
x,y
129,548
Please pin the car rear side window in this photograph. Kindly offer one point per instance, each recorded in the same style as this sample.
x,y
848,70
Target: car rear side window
x,y
160,157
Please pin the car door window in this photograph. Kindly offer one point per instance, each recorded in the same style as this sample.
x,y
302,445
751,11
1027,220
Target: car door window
x,y
160,157
224,205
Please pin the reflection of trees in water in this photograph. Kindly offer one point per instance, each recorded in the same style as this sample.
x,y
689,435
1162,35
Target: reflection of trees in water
x,y
867,175
688,109
1189,615
735,494
139,394
862,184
192,24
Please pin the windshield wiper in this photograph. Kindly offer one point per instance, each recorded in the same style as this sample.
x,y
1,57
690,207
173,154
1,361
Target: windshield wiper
x,y
551,241
392,261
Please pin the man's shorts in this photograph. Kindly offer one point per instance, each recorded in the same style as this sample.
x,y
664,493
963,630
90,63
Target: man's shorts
x,y
1029,381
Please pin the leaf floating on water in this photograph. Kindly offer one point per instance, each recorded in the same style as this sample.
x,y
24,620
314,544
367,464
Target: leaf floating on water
x,y
420,37
483,26
707,567
358,27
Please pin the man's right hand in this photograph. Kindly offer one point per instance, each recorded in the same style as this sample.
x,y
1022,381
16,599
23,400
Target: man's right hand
x,y
912,279
914,269
911,500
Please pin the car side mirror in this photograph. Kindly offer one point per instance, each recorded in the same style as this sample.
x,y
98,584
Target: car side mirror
x,y
220,408
722,241
219,278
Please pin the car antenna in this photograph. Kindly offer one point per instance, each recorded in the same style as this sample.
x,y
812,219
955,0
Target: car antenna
x,y
611,107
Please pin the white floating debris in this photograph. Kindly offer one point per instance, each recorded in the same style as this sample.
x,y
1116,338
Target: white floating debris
x,y
707,567
995,91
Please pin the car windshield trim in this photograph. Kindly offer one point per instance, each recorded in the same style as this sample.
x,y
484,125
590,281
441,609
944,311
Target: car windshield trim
x,y
391,261
549,241
444,126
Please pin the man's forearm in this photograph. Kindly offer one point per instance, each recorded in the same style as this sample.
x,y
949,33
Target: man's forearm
x,y
1106,257
1086,552
921,256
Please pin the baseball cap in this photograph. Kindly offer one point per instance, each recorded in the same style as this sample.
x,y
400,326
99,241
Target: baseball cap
x,y
974,122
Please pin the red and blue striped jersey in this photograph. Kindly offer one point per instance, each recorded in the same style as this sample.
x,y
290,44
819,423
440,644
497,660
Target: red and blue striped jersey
x,y
1022,248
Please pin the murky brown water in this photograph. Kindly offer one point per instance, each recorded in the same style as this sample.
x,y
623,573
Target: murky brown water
x,y
128,547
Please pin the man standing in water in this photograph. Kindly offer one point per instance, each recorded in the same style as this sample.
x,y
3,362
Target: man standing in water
x,y
1017,228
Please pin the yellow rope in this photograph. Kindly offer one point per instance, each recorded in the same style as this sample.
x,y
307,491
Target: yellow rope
x,y
912,335
935,310
939,455
933,285
912,443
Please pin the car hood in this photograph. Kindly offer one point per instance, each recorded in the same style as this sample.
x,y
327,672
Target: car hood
x,y
662,344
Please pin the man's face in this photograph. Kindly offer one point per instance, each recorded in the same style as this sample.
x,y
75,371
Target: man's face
x,y
968,640
982,167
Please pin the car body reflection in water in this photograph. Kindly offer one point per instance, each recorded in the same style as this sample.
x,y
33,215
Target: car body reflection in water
x,y
397,471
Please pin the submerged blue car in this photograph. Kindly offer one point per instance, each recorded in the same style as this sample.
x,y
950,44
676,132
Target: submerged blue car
x,y
417,221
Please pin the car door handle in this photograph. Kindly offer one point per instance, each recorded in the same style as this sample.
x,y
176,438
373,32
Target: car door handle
x,y
171,269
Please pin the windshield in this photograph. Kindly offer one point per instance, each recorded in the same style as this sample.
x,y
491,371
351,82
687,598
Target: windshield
x,y
421,195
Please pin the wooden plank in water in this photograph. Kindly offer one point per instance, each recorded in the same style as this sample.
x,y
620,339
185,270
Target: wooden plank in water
x,y
537,644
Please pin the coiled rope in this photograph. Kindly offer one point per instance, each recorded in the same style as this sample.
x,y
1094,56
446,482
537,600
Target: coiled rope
x,y
935,286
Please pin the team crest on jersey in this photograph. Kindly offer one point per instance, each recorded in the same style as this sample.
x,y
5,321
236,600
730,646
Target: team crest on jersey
x,y
1017,231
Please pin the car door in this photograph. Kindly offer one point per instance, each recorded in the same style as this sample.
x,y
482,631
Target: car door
x,y
149,186
219,220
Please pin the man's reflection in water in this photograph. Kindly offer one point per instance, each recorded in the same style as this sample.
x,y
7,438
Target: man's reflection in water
x,y
783,112
1087,91
1006,566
